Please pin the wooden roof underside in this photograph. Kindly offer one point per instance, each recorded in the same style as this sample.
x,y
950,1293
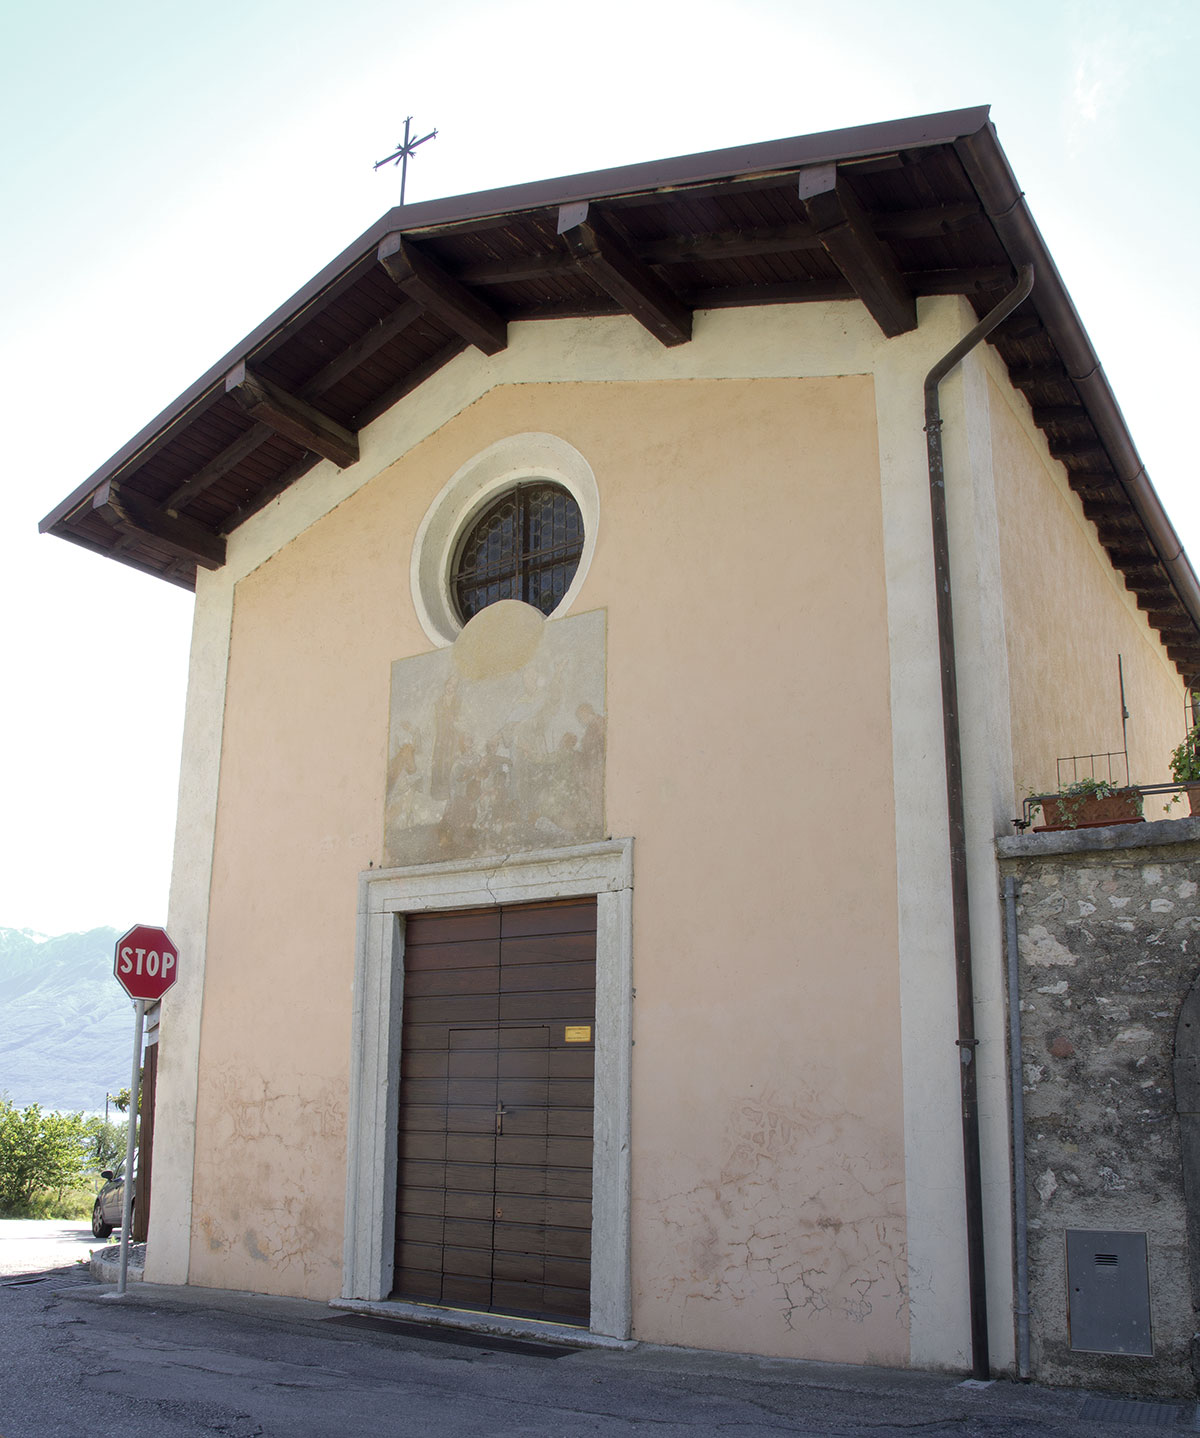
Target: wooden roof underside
x,y
884,214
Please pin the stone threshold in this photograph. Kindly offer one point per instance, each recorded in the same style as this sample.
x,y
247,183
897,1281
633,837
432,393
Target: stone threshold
x,y
472,1321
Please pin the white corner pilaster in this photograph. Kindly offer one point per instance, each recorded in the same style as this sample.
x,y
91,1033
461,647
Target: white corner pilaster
x,y
168,1251
939,1304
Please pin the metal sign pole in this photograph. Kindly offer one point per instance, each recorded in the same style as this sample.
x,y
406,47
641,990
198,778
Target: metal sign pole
x,y
127,1192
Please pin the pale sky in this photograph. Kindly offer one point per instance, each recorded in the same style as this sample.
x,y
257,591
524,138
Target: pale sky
x,y
173,173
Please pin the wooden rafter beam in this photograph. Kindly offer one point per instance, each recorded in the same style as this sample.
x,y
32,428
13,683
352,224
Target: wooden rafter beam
x,y
1099,511
1044,414
294,418
921,282
727,244
1084,448
1149,584
1030,376
1120,531
786,292
129,511
1151,598
1163,619
1149,576
337,369
412,379
380,405
965,281
1093,482
524,270
362,349
717,245
217,467
1130,555
848,238
606,259
926,223
424,280
1019,326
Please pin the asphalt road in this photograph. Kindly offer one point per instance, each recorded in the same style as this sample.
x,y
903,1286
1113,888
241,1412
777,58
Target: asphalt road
x,y
179,1363
30,1245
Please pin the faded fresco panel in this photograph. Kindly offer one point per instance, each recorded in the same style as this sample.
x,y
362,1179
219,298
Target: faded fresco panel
x,y
497,744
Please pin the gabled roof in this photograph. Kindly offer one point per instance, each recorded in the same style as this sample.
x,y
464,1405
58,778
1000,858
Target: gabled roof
x,y
885,213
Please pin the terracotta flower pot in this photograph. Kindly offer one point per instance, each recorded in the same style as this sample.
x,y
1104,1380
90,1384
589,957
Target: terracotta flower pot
x,y
1091,811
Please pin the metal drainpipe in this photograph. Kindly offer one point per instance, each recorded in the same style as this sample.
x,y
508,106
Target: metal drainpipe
x,y
1016,1076
966,1041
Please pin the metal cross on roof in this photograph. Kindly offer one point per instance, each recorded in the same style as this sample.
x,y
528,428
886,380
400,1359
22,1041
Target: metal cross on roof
x,y
401,155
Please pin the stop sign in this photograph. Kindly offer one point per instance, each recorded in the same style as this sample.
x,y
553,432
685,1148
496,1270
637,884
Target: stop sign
x,y
146,962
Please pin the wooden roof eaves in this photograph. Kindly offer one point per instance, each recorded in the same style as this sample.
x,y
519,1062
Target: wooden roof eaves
x,y
974,140
740,161
683,171
1003,200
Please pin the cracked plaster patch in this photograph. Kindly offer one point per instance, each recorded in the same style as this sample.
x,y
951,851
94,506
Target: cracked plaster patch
x,y
263,1136
806,1217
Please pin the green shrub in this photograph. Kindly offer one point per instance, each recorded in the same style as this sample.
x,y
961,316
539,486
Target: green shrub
x,y
106,1142
1185,757
40,1154
72,1205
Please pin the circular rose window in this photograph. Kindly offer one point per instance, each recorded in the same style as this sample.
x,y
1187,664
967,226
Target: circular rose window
x,y
517,521
526,545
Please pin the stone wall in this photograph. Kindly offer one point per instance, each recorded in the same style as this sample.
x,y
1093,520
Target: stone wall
x,y
1108,924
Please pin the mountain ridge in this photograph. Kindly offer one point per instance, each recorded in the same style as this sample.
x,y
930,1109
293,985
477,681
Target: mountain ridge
x,y
65,1030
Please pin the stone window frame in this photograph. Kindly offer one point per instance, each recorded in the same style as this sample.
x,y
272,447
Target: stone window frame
x,y
518,459
603,869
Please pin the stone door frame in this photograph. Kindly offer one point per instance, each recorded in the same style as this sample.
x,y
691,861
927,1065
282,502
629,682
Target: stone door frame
x,y
385,895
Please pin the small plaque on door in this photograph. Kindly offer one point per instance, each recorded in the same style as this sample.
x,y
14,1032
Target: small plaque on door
x,y
578,1034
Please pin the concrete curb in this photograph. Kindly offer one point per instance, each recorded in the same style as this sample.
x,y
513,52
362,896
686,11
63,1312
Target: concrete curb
x,y
105,1263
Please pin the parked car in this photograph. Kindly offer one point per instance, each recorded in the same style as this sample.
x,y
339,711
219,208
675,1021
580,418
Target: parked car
x,y
108,1209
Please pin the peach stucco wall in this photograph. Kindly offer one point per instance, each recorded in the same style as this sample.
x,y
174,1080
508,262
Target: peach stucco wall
x,y
740,564
1068,615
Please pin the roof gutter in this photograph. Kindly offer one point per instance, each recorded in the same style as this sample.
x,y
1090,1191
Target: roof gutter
x,y
1005,206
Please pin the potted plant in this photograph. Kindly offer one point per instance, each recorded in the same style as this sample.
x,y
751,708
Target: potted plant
x,y
1089,804
1185,767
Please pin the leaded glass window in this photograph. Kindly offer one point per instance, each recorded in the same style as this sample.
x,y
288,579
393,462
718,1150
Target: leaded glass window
x,y
526,545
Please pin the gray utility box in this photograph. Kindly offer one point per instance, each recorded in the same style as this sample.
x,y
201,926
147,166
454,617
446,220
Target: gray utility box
x,y
1108,1291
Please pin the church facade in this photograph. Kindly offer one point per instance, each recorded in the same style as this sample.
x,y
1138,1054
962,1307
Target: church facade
x,y
563,866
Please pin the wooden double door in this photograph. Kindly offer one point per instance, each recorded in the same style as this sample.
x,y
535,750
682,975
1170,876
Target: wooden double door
x,y
494,1183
